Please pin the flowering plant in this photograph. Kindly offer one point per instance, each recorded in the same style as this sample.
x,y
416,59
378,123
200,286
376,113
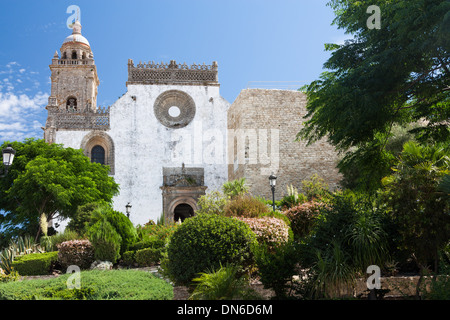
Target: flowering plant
x,y
268,230
76,252
303,217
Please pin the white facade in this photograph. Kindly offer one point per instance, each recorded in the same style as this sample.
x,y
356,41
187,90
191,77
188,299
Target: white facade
x,y
137,144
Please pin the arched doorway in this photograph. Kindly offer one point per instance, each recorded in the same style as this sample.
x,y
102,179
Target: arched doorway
x,y
182,211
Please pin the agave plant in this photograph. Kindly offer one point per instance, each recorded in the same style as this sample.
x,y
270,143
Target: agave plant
x,y
6,259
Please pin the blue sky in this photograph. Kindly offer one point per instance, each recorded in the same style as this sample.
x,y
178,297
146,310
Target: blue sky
x,y
252,40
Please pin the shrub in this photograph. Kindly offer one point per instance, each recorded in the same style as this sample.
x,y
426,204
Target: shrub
x,y
212,203
82,217
223,284
292,199
67,235
121,224
128,257
315,187
12,276
96,285
76,252
204,242
303,218
235,188
347,237
247,207
106,241
35,263
156,231
270,231
148,257
277,266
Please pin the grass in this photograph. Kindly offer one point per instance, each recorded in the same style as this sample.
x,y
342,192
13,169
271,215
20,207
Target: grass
x,y
94,285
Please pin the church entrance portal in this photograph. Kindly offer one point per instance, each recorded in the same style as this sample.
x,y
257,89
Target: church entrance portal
x,y
183,211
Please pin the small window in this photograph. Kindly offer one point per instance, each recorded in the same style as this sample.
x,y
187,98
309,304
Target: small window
x,y
98,155
74,55
71,104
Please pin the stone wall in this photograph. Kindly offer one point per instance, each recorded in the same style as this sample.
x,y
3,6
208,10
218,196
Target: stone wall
x,y
262,126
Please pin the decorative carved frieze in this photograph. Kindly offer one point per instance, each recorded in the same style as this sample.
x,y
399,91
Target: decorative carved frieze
x,y
69,119
172,73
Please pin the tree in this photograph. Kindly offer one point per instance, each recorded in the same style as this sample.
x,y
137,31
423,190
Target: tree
x,y
419,207
50,179
397,74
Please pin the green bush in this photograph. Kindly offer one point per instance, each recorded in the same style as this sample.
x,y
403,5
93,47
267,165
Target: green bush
x,y
303,217
82,217
158,231
235,188
152,242
292,199
148,257
204,242
212,203
246,206
128,257
347,237
106,241
67,235
223,284
277,266
96,285
35,264
122,225
315,188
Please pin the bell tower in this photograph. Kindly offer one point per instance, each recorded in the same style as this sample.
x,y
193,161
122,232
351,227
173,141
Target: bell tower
x,y
74,83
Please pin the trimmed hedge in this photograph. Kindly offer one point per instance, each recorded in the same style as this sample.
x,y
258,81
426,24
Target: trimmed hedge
x,y
35,264
95,285
148,257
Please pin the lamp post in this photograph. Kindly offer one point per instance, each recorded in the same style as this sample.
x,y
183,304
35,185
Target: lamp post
x,y
127,209
273,181
8,157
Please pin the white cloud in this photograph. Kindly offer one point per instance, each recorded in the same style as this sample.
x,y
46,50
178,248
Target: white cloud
x,y
21,114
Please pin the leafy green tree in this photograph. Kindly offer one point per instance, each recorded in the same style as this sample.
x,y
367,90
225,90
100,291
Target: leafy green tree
x,y
50,179
397,74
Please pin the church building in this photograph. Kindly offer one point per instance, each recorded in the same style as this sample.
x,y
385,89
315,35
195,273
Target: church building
x,y
172,137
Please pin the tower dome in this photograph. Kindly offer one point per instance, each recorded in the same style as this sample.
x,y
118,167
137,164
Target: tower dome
x,y
76,36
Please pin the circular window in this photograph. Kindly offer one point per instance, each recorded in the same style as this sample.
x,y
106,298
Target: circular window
x,y
174,112
174,109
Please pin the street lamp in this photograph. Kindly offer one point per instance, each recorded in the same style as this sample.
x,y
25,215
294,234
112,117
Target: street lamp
x,y
8,157
127,209
273,181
